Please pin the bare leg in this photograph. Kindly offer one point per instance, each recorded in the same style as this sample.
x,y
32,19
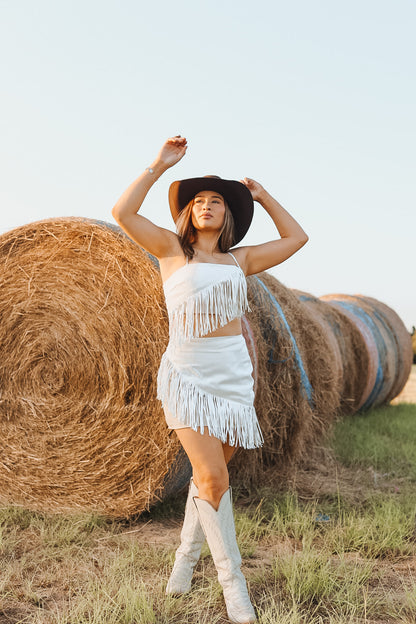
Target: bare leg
x,y
228,451
209,457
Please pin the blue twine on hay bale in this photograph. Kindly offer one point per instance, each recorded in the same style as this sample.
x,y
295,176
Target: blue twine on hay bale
x,y
269,332
381,348
306,386
389,330
333,324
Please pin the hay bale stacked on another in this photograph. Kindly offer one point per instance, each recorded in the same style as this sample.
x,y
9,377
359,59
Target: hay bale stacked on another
x,y
83,327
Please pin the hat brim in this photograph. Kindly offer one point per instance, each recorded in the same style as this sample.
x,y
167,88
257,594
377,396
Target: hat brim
x,y
236,194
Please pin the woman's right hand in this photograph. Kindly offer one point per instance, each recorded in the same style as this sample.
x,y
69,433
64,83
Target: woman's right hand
x,y
172,151
157,240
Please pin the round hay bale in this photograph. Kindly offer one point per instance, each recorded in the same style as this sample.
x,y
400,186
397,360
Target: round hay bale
x,y
369,372
252,349
282,429
373,372
400,341
382,346
317,309
318,358
301,396
83,327
246,468
349,351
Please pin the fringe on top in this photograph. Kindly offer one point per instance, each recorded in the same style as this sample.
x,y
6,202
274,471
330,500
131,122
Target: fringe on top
x,y
210,308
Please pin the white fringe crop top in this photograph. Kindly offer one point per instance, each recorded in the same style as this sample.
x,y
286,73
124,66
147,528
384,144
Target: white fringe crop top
x,y
203,296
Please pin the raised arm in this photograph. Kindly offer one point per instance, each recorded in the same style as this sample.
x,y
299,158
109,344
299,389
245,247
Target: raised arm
x,y
157,240
257,258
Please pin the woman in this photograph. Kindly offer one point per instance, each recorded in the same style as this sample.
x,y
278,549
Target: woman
x,y
205,378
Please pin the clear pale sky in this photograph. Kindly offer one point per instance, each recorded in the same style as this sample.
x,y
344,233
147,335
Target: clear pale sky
x,y
315,100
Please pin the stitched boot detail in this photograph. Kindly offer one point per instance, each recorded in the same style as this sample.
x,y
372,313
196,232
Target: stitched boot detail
x,y
219,530
187,555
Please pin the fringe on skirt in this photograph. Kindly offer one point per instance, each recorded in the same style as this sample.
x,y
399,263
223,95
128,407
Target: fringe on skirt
x,y
208,383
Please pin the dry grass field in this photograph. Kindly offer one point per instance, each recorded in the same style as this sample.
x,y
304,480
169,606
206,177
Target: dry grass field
x,y
334,544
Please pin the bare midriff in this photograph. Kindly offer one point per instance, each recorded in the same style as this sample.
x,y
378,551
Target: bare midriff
x,y
233,328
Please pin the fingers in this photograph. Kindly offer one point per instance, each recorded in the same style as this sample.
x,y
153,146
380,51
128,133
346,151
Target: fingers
x,y
177,140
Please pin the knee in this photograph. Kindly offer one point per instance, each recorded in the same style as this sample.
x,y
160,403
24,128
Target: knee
x,y
214,481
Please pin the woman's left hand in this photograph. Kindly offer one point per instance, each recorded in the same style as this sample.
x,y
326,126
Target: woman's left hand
x,y
254,187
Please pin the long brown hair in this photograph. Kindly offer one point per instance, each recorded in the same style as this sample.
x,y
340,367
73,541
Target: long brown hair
x,y
187,232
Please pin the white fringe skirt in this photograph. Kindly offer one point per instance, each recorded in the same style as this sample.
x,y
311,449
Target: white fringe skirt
x,y
207,383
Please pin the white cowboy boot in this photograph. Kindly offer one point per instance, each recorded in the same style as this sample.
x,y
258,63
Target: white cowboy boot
x,y
219,530
187,555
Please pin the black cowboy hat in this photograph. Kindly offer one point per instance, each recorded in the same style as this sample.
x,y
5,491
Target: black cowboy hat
x,y
236,194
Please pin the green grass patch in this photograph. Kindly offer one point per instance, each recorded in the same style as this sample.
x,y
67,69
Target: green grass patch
x,y
383,439
314,582
381,526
